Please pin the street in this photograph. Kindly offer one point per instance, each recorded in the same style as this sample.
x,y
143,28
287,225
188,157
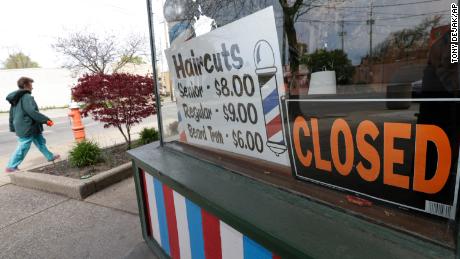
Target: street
x,y
60,137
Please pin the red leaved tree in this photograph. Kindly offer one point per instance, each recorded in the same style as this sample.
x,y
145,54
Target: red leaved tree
x,y
118,100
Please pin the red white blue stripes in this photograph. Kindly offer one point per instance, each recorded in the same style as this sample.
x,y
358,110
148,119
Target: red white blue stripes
x,y
272,111
232,242
184,230
195,230
182,226
161,213
172,222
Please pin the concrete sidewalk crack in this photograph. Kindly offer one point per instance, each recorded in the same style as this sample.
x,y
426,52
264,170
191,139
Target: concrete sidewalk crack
x,y
34,214
108,207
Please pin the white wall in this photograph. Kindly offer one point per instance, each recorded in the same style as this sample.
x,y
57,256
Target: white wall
x,y
51,85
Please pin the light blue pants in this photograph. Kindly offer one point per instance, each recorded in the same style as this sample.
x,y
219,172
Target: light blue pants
x,y
24,146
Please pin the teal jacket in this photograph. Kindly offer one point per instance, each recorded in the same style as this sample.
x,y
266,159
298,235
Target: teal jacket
x,y
25,119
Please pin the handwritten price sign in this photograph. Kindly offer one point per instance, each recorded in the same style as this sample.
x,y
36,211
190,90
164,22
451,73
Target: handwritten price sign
x,y
229,88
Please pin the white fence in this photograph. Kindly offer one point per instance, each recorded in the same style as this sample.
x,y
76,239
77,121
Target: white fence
x,y
51,85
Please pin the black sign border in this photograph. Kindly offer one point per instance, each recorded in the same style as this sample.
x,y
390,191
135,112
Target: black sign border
x,y
303,178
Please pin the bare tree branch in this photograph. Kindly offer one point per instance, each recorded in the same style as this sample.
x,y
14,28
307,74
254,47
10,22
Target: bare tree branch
x,y
133,46
98,54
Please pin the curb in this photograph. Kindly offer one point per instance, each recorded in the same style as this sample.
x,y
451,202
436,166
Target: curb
x,y
69,187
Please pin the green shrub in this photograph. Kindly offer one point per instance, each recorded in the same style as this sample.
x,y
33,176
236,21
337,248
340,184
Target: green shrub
x,y
85,153
148,135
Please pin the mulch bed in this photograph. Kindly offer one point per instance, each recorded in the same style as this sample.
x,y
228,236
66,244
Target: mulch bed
x,y
113,157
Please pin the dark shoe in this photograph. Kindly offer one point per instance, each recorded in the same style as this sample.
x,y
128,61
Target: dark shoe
x,y
55,157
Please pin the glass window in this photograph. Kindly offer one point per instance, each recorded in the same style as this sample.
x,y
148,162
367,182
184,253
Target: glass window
x,y
361,87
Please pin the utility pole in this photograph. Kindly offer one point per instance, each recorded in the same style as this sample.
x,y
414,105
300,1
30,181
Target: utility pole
x,y
370,22
342,33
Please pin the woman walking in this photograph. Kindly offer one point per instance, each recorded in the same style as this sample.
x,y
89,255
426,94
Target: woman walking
x,y
27,122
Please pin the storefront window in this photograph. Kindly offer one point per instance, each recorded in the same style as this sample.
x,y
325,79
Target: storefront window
x,y
367,97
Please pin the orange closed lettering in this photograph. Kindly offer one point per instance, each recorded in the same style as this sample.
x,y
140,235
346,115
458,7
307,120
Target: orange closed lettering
x,y
394,156
320,163
340,126
365,146
301,124
434,134
367,151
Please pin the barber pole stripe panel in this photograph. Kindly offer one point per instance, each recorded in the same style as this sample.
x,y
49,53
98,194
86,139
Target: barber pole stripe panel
x,y
254,250
164,234
152,207
184,230
195,224
182,226
232,242
211,233
172,222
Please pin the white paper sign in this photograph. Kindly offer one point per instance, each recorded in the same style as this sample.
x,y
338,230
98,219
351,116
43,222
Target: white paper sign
x,y
228,85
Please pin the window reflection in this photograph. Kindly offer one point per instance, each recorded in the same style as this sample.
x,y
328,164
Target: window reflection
x,y
356,48
364,42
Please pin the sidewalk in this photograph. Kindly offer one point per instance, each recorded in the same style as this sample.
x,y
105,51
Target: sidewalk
x,y
35,224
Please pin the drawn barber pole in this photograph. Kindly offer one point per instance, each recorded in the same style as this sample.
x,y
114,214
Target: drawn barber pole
x,y
266,72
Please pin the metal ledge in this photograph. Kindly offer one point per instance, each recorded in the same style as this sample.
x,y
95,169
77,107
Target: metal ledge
x,y
291,226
